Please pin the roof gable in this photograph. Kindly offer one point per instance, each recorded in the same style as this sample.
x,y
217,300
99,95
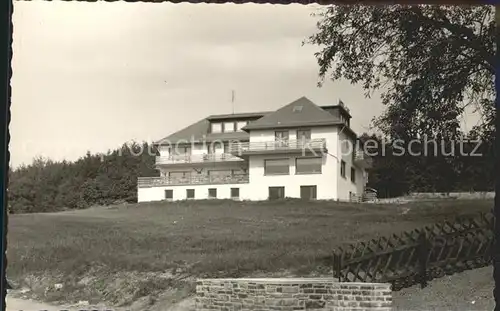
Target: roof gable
x,y
299,112
199,132
243,116
193,132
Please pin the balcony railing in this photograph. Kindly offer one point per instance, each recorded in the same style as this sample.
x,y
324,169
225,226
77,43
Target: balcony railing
x,y
146,182
282,145
196,158
362,159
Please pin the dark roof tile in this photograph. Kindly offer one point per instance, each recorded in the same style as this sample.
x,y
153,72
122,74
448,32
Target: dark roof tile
x,y
193,132
301,112
238,115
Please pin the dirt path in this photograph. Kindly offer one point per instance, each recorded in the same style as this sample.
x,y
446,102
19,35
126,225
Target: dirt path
x,y
16,304
19,304
470,290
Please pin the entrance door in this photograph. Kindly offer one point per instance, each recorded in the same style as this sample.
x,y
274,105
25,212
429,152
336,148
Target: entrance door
x,y
303,136
276,193
308,192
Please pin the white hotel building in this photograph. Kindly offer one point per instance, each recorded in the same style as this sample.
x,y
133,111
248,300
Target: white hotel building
x,y
299,151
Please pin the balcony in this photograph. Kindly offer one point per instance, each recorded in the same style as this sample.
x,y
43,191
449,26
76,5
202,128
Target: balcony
x,y
283,146
362,160
148,182
198,158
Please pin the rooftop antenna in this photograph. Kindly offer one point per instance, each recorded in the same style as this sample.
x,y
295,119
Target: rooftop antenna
x,y
232,100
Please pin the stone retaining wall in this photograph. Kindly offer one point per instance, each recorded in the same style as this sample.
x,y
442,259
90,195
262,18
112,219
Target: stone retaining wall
x,y
291,295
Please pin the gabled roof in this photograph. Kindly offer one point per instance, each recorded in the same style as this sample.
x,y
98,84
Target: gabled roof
x,y
195,131
243,115
199,131
301,112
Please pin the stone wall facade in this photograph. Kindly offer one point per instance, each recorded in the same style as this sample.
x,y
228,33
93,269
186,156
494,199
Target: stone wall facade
x,y
291,295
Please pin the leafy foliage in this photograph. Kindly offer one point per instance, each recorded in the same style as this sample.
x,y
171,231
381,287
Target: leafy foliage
x,y
95,179
470,168
430,62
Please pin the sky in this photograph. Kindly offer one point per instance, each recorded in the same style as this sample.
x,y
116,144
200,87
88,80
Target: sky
x,y
91,76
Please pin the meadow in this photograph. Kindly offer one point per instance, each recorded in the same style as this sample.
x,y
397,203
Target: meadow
x,y
122,254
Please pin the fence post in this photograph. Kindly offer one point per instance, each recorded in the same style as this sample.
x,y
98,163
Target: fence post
x,y
423,255
337,265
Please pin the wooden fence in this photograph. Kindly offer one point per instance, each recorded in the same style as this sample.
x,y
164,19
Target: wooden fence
x,y
420,255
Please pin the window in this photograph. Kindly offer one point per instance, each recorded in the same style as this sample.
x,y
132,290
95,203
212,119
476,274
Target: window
x,y
212,193
277,167
353,174
303,135
308,192
308,165
281,136
297,108
235,193
169,194
216,128
342,168
190,193
240,125
276,193
228,127
165,150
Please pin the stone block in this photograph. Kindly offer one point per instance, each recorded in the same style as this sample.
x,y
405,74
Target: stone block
x,y
315,304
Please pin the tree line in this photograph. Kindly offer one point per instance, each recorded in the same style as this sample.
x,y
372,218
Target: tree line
x,y
105,179
463,167
95,179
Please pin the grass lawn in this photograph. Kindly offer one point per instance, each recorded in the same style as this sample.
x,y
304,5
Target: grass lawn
x,y
97,253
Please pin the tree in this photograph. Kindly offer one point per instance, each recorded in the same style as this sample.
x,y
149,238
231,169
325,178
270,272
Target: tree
x,y
388,174
430,62
95,179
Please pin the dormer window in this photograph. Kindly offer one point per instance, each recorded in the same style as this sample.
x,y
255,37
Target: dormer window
x,y
216,128
229,127
240,125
